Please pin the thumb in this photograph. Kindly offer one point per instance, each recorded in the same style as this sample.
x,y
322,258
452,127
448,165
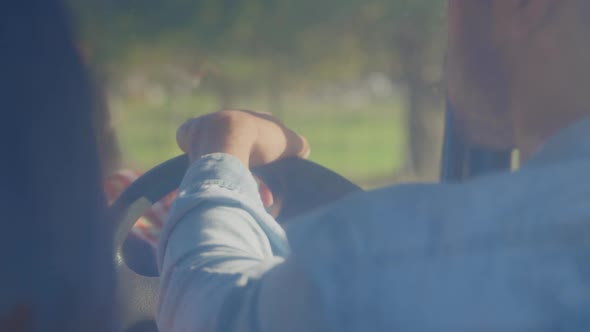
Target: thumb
x,y
297,145
306,148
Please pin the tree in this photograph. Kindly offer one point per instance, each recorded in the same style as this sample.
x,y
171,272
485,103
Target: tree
x,y
275,45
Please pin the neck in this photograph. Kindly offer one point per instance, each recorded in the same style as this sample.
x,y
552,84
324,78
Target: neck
x,y
549,96
551,83
536,128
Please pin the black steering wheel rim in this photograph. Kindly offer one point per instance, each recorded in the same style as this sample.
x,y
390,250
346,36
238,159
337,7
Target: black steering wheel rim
x,y
307,186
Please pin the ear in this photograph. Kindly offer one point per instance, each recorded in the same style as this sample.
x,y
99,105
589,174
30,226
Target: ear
x,y
522,18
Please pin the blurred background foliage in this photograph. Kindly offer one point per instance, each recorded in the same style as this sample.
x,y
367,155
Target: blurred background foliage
x,y
360,78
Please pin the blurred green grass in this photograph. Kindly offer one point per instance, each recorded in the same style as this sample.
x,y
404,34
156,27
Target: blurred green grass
x,y
364,143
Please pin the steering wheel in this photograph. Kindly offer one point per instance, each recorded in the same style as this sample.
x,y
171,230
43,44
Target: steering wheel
x,y
300,184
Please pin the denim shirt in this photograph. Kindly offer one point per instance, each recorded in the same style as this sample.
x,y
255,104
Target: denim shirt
x,y
506,252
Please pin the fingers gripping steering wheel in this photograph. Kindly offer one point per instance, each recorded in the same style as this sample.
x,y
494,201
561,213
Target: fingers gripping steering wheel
x,y
300,184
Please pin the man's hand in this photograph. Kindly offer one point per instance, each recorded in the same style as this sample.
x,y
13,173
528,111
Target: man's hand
x,y
254,138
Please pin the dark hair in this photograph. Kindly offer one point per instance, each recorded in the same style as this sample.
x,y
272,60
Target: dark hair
x,y
109,151
54,243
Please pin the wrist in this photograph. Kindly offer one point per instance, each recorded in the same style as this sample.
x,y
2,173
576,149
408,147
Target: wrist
x,y
243,157
216,141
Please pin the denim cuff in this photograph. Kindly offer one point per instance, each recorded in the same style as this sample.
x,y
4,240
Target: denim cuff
x,y
221,170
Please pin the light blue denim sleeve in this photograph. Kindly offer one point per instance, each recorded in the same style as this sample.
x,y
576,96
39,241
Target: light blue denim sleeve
x,y
217,244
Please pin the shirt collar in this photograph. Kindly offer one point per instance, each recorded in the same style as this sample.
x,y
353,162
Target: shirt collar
x,y
569,144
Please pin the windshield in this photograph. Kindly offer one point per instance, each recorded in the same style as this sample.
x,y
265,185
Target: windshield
x,y
362,80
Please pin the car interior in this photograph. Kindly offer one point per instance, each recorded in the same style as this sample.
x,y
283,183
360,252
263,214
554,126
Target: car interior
x,y
289,179
302,186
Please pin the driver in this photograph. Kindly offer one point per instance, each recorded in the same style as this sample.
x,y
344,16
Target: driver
x,y
506,252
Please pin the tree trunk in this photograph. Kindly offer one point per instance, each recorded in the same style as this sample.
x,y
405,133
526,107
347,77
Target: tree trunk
x,y
275,91
225,93
421,119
